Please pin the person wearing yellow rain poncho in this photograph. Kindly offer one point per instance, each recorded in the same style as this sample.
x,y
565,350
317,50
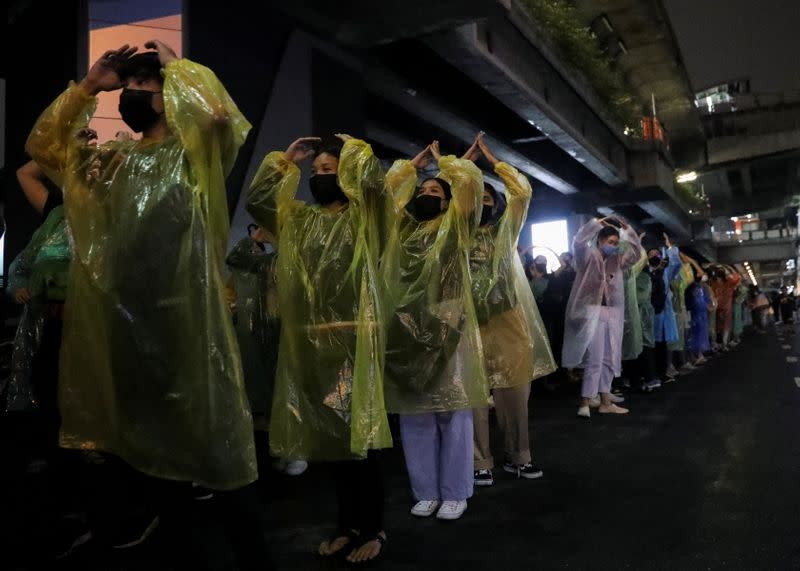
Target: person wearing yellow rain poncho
x,y
515,344
150,370
328,402
434,363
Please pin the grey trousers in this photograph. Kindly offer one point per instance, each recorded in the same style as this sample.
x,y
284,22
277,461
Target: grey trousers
x,y
511,406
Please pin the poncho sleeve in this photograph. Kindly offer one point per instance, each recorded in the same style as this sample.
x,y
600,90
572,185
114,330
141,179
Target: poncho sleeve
x,y
271,197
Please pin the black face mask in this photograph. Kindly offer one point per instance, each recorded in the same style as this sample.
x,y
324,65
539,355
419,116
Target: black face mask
x,y
655,261
427,207
486,214
325,189
136,109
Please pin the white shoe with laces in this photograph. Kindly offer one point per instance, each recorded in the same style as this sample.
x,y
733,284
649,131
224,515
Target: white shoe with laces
x,y
425,508
452,510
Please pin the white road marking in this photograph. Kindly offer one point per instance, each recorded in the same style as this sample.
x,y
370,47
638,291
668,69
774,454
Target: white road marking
x,y
791,359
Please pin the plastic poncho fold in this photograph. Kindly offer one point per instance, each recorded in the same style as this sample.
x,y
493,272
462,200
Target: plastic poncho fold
x,y
632,338
598,279
434,359
150,368
328,402
678,286
41,268
515,345
255,319
644,290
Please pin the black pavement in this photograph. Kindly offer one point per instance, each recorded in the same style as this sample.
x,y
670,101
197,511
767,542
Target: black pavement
x,y
703,474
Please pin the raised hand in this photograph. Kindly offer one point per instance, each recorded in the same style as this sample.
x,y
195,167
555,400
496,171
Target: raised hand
x,y
474,151
343,137
422,159
104,73
667,243
487,152
165,53
435,151
301,149
22,296
642,235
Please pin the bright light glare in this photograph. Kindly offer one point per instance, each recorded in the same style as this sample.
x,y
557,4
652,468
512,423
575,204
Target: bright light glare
x,y
687,177
550,239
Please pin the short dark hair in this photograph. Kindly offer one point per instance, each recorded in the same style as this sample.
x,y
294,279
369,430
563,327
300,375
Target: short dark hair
x,y
448,194
143,66
607,232
331,146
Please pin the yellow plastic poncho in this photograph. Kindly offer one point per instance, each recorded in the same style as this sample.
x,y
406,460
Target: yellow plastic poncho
x,y
328,401
150,370
678,286
632,336
515,344
434,357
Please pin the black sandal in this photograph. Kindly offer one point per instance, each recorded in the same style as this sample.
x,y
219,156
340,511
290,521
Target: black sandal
x,y
352,538
381,539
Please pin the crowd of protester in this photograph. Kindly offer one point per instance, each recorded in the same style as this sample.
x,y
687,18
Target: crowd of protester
x,y
399,292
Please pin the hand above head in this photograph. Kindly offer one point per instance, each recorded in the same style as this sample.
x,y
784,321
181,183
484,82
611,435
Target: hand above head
x,y
474,151
642,235
435,151
344,137
422,159
104,73
667,243
487,152
301,149
22,296
165,53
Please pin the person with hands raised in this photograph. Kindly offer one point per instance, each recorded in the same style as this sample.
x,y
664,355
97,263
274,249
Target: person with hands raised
x,y
434,367
665,326
596,308
328,405
515,345
171,405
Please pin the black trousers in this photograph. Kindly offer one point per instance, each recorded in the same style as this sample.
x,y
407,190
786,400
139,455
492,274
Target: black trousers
x,y
360,494
643,369
662,359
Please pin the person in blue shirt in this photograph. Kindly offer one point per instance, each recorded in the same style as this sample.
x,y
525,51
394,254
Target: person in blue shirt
x,y
665,327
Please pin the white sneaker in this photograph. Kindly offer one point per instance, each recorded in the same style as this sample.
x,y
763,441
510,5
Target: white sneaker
x,y
583,412
296,467
451,510
612,409
425,508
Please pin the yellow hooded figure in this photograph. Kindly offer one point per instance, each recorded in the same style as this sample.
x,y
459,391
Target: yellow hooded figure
x,y
150,369
328,400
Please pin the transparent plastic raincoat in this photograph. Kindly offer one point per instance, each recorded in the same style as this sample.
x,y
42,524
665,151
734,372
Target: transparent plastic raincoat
x,y
515,344
434,359
678,287
598,282
255,318
42,269
150,369
328,402
739,298
632,331
644,290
